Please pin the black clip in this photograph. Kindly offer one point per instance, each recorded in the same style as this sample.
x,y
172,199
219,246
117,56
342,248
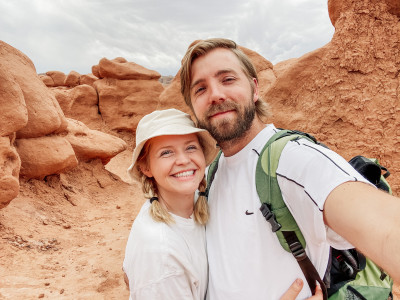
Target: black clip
x,y
297,250
270,217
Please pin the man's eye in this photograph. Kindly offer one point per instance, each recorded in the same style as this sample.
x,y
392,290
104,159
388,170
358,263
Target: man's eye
x,y
199,90
228,79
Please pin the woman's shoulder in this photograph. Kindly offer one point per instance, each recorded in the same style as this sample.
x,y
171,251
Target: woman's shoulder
x,y
145,228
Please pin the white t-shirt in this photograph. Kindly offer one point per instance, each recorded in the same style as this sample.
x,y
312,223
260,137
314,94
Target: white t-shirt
x,y
166,261
246,260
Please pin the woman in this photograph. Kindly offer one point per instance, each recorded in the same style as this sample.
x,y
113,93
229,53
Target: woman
x,y
165,256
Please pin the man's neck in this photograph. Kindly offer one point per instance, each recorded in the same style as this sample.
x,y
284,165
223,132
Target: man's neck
x,y
233,146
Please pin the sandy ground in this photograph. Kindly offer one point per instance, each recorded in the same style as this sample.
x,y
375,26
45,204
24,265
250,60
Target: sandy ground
x,y
64,237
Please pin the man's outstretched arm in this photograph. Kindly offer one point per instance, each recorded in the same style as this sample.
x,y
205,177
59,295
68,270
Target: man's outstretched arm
x,y
369,219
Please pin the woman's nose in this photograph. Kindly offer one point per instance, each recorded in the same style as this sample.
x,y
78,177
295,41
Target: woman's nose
x,y
182,158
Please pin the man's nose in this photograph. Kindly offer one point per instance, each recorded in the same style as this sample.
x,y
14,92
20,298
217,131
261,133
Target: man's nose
x,y
217,94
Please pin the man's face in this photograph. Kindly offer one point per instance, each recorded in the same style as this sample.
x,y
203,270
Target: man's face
x,y
222,96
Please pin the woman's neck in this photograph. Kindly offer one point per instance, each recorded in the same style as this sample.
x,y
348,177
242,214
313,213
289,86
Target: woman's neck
x,y
181,206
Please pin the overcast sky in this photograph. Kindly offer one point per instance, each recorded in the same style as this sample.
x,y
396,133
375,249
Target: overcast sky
x,y
76,34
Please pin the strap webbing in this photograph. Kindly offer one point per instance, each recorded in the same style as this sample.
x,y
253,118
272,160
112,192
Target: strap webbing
x,y
309,271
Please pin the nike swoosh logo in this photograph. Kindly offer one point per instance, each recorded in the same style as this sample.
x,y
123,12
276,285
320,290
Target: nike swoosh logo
x,y
249,213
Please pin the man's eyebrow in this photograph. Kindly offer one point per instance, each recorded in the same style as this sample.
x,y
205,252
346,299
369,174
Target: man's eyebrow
x,y
218,73
196,83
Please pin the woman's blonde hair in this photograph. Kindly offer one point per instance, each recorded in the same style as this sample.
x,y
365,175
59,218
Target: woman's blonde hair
x,y
203,47
157,211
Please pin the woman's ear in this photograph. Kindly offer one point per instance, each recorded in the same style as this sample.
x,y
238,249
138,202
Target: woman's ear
x,y
145,169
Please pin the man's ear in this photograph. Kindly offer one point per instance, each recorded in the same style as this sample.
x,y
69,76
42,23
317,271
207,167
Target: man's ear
x,y
145,170
255,90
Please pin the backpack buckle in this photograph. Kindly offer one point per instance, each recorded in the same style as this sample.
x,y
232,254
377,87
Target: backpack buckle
x,y
297,250
270,217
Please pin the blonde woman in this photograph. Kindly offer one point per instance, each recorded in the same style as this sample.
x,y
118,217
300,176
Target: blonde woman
x,y
165,255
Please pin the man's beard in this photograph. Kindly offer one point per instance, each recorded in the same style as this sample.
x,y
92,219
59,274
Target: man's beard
x,y
229,130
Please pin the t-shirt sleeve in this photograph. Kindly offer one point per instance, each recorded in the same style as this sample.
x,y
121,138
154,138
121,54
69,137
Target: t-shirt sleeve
x,y
307,174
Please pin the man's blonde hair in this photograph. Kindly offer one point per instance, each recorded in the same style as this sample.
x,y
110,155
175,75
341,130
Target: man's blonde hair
x,y
201,48
157,211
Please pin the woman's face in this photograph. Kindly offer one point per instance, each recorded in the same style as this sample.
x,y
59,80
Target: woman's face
x,y
177,164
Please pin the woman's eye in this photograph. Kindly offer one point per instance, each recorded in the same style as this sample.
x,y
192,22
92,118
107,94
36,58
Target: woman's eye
x,y
165,153
192,147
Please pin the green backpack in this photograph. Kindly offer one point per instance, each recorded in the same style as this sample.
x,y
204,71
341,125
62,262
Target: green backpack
x,y
349,275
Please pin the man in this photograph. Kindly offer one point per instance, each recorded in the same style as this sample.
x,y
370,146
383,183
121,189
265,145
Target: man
x,y
330,201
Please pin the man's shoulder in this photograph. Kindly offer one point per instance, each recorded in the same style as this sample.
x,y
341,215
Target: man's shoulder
x,y
263,136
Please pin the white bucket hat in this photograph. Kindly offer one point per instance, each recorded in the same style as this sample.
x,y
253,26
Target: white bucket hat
x,y
169,122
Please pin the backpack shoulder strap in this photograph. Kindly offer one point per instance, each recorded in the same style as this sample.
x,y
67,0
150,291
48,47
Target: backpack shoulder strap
x,y
212,169
273,206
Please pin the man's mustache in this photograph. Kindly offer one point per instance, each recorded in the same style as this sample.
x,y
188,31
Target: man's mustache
x,y
218,108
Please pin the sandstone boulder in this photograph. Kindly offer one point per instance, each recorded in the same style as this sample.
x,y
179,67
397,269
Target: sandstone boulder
x,y
88,79
9,171
92,144
122,103
13,113
72,79
57,76
85,106
80,103
47,80
63,97
95,71
44,114
45,155
119,68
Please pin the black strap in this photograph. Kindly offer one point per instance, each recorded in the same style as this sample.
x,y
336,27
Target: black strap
x,y
309,271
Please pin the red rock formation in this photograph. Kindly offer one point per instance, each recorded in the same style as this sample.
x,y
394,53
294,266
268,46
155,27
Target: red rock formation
x,y
92,144
72,79
14,114
119,68
44,114
47,80
347,92
57,76
10,164
88,79
45,155
95,71
123,103
80,103
126,92
32,120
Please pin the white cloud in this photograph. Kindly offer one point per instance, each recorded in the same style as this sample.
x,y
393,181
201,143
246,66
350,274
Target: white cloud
x,y
74,35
